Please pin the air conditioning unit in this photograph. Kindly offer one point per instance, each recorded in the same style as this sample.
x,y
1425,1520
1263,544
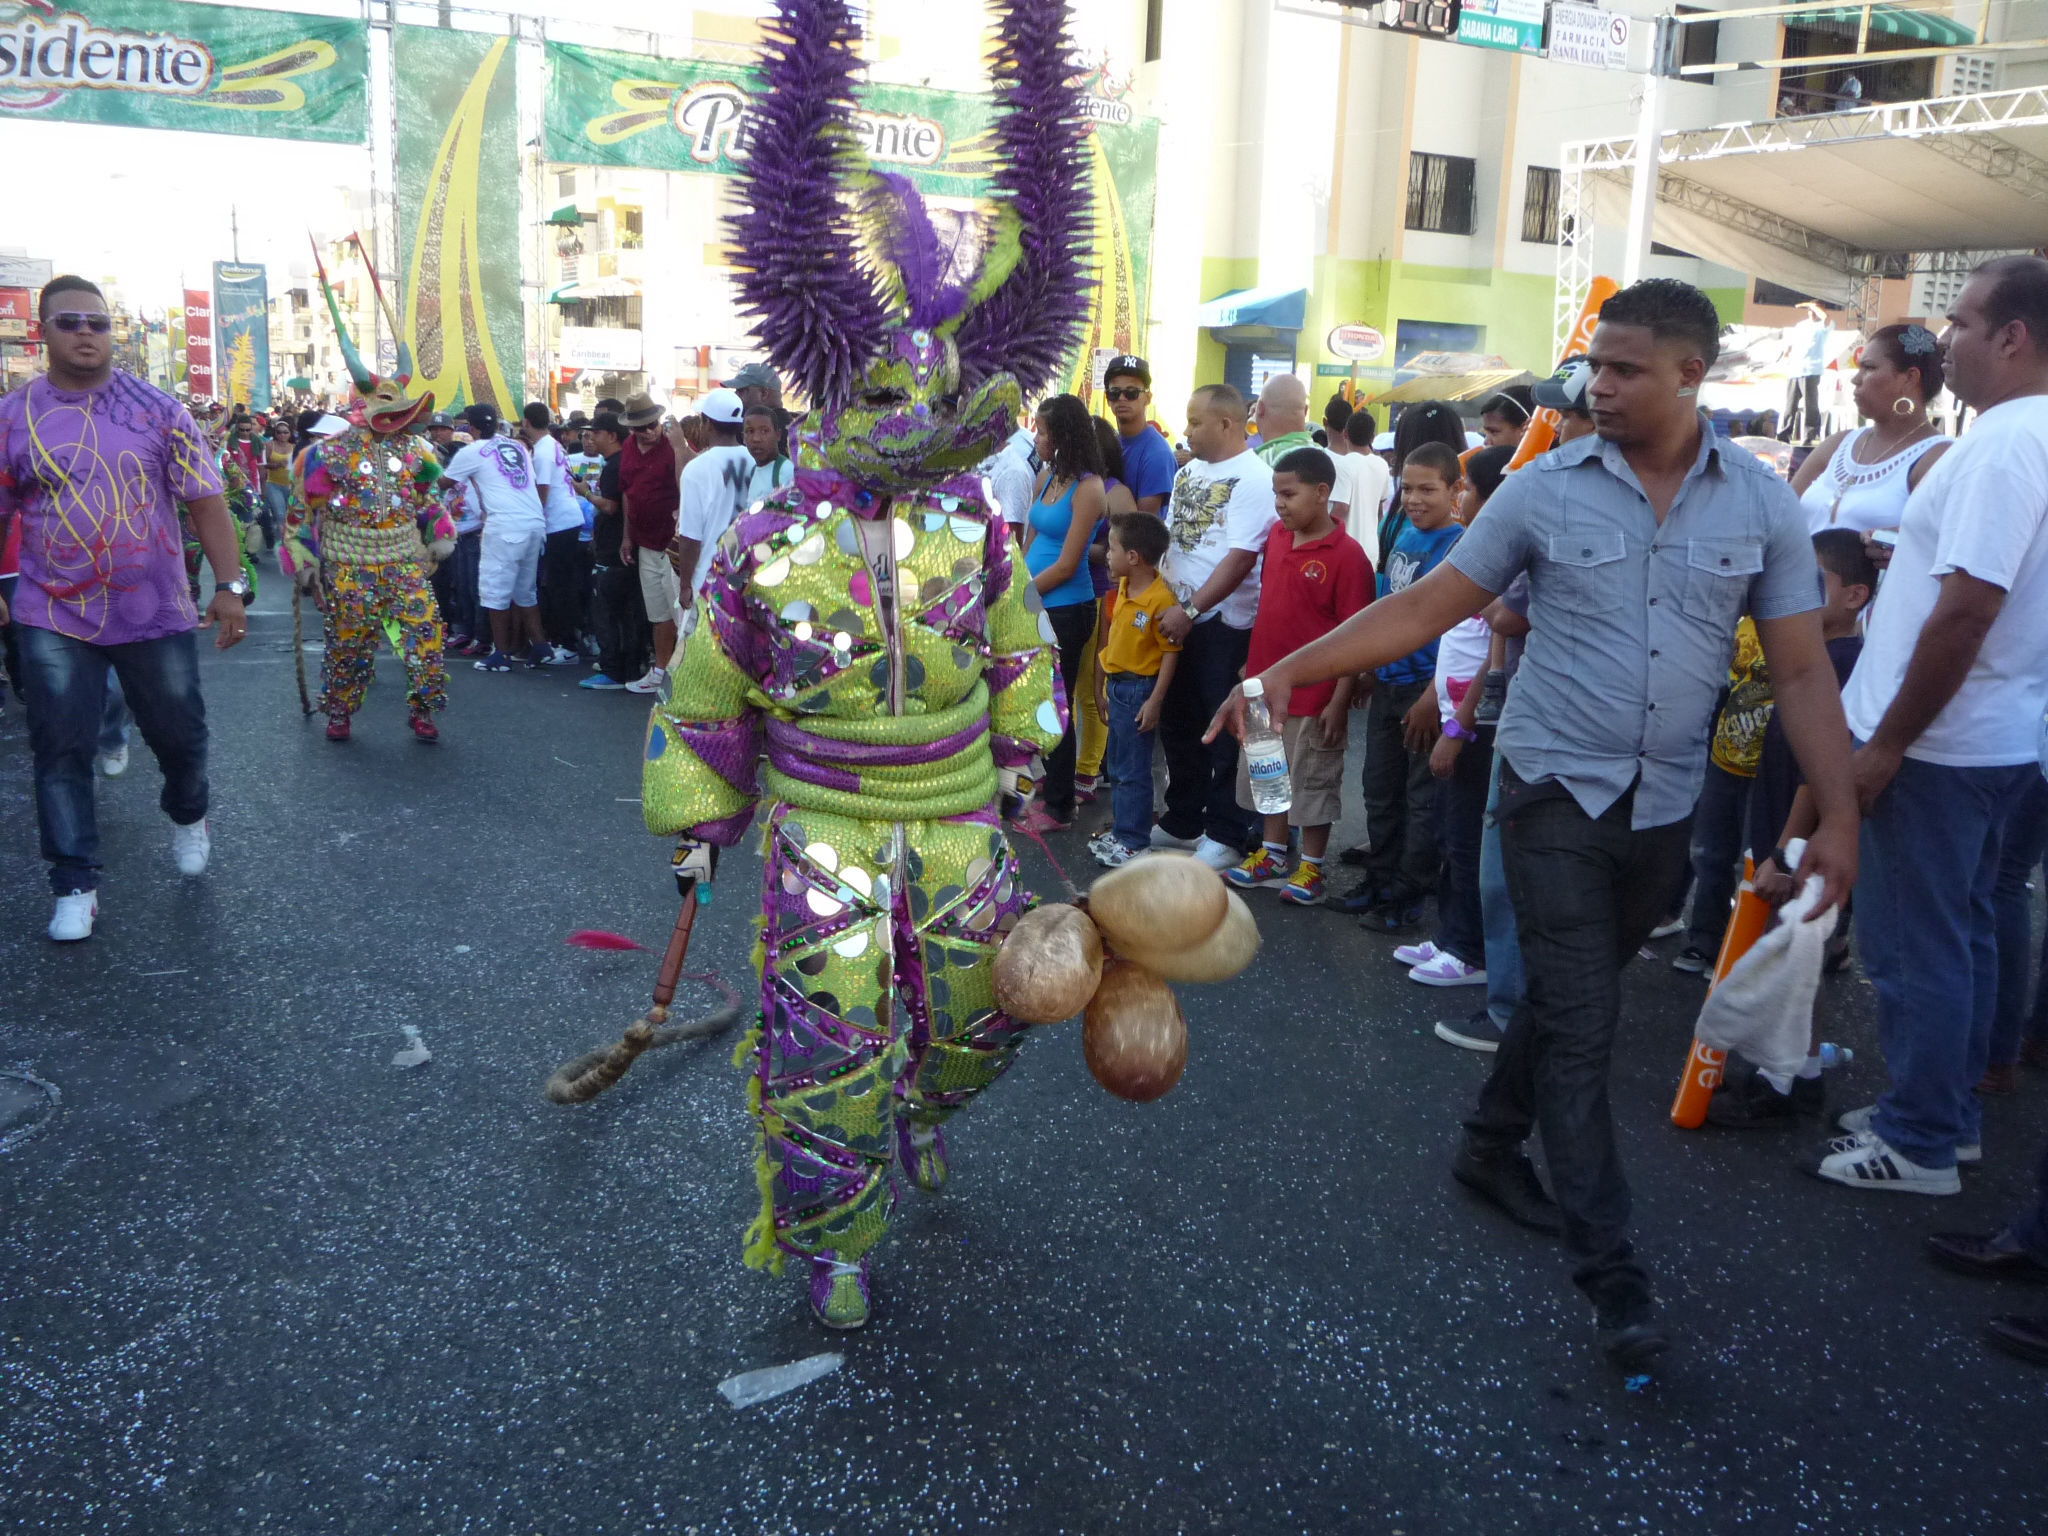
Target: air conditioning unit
x,y
1966,74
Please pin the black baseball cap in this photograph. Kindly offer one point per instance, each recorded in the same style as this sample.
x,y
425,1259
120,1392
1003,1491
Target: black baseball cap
x,y
608,421
1130,363
483,416
1565,390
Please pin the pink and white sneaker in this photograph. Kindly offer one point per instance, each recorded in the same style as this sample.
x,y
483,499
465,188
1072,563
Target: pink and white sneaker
x,y
1417,954
1446,970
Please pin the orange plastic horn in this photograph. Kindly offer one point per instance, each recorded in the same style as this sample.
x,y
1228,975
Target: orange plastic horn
x,y
1541,433
1704,1064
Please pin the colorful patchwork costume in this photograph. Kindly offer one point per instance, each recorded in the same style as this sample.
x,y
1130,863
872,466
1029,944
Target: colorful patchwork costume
x,y
367,521
869,660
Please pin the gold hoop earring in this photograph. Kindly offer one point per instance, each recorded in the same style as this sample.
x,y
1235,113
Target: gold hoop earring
x,y
1903,406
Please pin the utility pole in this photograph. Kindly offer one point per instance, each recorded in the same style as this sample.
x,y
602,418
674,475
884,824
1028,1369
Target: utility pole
x,y
1642,190
234,236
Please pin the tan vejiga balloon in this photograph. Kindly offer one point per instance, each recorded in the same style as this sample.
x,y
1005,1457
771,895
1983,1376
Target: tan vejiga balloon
x,y
1133,1036
1217,958
1163,901
1049,965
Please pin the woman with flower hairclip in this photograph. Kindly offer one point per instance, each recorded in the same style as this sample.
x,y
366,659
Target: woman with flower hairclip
x,y
1860,479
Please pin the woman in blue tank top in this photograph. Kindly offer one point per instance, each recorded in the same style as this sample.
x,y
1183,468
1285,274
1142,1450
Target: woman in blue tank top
x,y
1069,503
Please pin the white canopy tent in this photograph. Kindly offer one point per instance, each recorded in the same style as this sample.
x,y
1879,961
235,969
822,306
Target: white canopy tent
x,y
1823,204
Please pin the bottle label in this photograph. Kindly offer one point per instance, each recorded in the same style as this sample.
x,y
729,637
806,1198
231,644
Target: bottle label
x,y
1266,764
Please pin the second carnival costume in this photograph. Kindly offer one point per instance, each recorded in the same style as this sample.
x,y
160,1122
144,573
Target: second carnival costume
x,y
365,530
870,662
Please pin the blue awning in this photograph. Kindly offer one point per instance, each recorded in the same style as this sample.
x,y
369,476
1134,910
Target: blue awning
x,y
1279,309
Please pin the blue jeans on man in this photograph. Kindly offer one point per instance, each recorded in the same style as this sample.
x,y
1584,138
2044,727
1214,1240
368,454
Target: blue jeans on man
x,y
1924,898
66,684
2026,839
1497,911
1128,760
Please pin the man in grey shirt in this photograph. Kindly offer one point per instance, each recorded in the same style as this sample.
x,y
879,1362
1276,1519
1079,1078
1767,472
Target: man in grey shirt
x,y
1643,545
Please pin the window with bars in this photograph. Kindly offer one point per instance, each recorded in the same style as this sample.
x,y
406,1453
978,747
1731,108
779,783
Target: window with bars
x,y
1539,205
1440,193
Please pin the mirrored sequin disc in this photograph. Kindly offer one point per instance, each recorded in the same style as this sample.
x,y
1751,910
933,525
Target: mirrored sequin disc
x,y
823,905
824,509
904,540
1049,718
810,551
774,573
933,522
949,503
824,855
858,878
802,632
1045,629
764,552
853,946
967,530
848,539
795,612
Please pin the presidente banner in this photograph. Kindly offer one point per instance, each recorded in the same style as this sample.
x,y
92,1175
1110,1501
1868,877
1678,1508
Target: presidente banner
x,y
199,341
204,68
241,331
458,216
607,108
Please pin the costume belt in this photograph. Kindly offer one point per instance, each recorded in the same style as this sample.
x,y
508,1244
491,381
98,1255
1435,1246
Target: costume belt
x,y
353,544
885,767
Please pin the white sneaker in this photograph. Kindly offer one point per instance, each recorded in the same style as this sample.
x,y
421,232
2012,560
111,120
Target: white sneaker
x,y
562,656
1668,927
1865,1162
651,683
1218,856
74,916
1447,970
1857,1123
190,847
1161,838
115,763
1417,954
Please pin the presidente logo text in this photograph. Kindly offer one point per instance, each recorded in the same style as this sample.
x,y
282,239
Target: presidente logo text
x,y
716,117
67,50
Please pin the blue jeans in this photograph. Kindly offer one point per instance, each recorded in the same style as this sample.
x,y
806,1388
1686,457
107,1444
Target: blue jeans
x,y
1718,823
66,682
1503,945
1461,803
2030,1229
1129,758
1930,946
114,717
2026,838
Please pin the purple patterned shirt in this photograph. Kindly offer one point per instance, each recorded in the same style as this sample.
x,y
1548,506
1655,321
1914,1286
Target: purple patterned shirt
x,y
96,479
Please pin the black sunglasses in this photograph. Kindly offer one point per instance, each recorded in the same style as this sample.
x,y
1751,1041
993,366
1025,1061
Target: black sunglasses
x,y
70,321
1131,393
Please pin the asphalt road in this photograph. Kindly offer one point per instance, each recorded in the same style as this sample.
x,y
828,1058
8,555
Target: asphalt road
x,y
255,1277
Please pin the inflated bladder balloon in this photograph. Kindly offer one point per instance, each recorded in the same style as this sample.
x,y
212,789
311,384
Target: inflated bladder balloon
x,y
1217,958
1163,901
1049,965
1133,1035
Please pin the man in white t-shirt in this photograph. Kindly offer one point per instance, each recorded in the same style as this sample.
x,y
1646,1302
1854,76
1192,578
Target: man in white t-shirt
x,y
1012,470
562,576
1217,518
1363,478
715,489
497,472
1945,706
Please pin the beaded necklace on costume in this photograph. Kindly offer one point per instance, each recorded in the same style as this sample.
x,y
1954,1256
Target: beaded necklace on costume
x,y
1846,475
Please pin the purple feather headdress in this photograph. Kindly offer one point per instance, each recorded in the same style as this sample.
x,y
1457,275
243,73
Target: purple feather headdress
x,y
1013,298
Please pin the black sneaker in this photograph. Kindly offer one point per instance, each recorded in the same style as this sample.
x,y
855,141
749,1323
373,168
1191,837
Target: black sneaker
x,y
1511,1184
1630,1337
1357,856
1392,917
1478,1033
1362,897
1752,1104
1693,960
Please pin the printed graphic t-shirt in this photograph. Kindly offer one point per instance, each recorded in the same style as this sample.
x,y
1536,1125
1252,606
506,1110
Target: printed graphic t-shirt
x,y
1214,509
499,473
95,480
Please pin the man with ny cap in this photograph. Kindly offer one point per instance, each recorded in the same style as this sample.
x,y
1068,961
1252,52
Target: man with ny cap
x,y
1148,456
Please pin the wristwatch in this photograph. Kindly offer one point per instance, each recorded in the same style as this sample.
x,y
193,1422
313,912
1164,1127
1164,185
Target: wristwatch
x,y
1458,730
1194,614
238,586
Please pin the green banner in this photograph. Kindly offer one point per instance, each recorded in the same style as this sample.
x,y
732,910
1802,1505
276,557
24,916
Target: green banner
x,y
241,333
606,108
204,68
458,216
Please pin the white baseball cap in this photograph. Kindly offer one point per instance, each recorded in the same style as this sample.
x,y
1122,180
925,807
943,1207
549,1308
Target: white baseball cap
x,y
328,426
722,405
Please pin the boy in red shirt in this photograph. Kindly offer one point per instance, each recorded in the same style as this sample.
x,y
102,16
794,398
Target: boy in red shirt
x,y
1315,577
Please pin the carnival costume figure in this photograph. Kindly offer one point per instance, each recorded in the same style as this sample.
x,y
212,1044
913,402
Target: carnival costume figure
x,y
870,663
365,529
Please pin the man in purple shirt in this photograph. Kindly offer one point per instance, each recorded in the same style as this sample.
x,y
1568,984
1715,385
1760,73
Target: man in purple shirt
x,y
95,464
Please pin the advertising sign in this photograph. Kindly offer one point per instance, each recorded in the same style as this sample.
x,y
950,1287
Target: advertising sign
x,y
206,68
199,341
17,315
23,271
1358,343
609,348
1585,34
1513,25
241,330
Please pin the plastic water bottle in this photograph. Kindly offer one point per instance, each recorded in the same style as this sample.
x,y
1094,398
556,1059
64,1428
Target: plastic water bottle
x,y
1833,1055
1265,754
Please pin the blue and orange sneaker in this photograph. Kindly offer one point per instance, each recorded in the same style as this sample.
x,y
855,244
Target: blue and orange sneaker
x,y
1262,866
1305,887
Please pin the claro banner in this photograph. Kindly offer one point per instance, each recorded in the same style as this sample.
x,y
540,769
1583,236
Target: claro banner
x,y
199,341
209,68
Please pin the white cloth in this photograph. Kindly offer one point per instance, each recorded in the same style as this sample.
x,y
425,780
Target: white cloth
x,y
1214,509
1461,654
1763,1007
499,475
1009,471
769,478
1861,497
551,470
714,493
1984,510
1363,481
